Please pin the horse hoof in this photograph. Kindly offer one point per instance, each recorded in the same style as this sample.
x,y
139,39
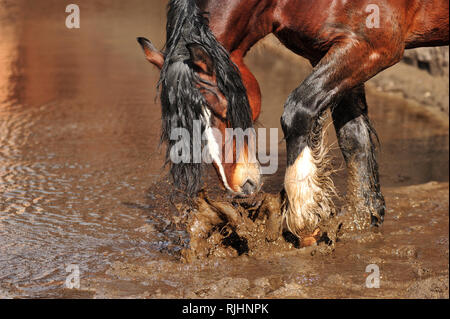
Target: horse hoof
x,y
310,240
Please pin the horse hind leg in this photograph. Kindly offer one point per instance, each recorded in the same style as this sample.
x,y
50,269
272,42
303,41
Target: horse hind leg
x,y
364,203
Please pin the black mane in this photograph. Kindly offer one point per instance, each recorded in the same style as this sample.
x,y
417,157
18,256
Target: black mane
x,y
181,99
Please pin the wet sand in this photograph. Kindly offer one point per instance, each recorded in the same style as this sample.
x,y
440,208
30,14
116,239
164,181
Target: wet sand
x,y
81,170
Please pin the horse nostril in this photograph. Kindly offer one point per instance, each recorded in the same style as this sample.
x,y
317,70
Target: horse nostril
x,y
249,187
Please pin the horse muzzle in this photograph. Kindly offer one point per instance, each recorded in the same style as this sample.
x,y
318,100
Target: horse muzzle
x,y
246,179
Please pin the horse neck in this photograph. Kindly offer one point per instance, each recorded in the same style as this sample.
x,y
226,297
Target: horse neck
x,y
231,23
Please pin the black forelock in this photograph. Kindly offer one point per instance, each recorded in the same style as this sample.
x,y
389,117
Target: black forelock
x,y
181,99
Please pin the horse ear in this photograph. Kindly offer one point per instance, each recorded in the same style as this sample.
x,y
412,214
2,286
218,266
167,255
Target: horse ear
x,y
151,53
201,58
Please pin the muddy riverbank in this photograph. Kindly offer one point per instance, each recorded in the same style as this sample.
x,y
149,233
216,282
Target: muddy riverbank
x,y
82,183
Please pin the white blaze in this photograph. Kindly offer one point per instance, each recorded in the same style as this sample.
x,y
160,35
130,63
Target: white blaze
x,y
214,147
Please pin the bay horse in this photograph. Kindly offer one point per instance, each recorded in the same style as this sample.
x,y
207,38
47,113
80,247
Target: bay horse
x,y
203,76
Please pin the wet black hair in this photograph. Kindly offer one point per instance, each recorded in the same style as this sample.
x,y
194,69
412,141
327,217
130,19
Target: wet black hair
x,y
181,99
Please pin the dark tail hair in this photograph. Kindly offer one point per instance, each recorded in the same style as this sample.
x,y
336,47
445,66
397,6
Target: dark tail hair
x,y
181,99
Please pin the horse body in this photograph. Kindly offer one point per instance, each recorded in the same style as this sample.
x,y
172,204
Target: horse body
x,y
345,52
346,49
311,28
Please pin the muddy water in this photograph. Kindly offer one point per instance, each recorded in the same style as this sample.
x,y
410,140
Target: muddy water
x,y
79,159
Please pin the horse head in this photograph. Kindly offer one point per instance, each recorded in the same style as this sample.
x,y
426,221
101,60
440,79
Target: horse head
x,y
197,86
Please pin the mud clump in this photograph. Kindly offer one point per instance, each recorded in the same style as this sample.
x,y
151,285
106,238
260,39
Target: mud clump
x,y
252,226
217,225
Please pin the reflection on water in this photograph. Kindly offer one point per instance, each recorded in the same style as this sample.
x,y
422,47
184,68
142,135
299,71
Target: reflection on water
x,y
79,129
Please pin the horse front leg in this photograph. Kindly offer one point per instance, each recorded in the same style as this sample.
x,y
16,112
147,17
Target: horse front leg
x,y
364,200
308,185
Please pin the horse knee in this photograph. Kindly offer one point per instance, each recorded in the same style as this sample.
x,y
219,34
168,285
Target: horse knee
x,y
296,119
